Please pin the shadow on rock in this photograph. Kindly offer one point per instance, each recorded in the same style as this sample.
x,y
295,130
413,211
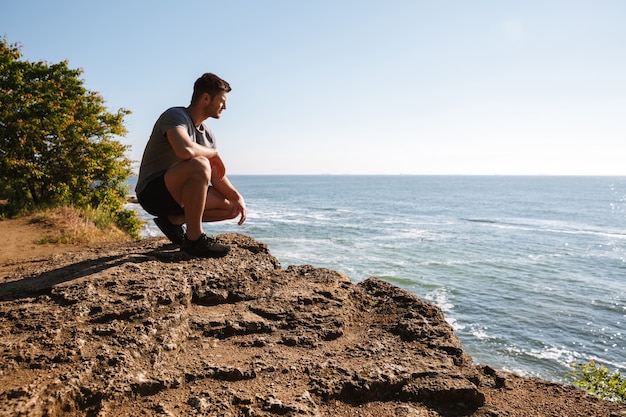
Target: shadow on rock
x,y
40,283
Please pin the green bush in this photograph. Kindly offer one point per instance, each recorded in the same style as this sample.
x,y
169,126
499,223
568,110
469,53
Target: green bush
x,y
128,221
596,379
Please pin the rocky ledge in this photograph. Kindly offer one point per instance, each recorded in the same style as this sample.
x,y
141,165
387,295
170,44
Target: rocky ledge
x,y
142,330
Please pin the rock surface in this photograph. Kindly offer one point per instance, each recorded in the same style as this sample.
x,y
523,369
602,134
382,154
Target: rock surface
x,y
140,329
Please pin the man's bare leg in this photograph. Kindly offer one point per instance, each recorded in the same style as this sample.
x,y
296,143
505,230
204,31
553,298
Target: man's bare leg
x,y
217,207
188,182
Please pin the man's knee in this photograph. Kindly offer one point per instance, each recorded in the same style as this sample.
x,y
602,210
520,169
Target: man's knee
x,y
200,168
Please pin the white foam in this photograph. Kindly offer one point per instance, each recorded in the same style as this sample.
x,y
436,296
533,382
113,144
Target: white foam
x,y
481,334
561,355
440,297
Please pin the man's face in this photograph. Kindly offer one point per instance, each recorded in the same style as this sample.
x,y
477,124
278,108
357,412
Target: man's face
x,y
216,105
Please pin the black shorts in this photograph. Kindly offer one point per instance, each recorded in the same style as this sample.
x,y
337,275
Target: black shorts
x,y
157,200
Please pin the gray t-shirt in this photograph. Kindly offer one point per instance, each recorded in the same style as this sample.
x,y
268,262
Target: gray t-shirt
x,y
159,155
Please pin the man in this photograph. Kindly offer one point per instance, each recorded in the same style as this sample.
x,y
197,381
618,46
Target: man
x,y
182,177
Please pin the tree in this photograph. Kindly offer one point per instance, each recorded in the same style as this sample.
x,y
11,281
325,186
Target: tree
x,y
57,139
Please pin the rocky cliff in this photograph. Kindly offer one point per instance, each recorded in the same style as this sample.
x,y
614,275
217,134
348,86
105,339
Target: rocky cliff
x,y
142,330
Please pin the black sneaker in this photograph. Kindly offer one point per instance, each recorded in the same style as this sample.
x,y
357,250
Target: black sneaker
x,y
173,232
204,247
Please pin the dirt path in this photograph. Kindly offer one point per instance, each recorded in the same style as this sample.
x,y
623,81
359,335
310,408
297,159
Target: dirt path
x,y
19,237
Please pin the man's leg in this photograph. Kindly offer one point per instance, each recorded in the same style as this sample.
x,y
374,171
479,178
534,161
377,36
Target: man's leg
x,y
217,207
188,182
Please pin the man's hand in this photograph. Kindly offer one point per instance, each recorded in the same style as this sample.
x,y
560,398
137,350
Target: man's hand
x,y
237,203
241,209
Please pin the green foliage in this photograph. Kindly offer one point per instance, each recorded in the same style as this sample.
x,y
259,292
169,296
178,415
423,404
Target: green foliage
x,y
57,140
128,221
598,380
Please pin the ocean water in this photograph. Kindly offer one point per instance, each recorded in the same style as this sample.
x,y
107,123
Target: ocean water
x,y
530,271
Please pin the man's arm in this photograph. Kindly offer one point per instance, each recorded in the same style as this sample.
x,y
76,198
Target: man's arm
x,y
185,149
224,186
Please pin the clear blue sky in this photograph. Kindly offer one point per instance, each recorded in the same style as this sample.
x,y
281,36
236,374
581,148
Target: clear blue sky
x,y
359,87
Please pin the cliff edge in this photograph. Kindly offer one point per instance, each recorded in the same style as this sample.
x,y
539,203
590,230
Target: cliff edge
x,y
139,329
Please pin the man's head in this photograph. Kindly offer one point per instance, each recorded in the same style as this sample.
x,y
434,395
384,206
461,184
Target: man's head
x,y
209,93
211,84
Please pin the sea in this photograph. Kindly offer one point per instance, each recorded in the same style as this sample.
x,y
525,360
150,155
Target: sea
x,y
529,270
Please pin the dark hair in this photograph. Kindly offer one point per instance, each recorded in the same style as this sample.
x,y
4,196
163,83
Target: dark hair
x,y
209,83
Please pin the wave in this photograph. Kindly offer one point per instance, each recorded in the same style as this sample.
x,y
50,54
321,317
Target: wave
x,y
548,227
441,297
480,221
